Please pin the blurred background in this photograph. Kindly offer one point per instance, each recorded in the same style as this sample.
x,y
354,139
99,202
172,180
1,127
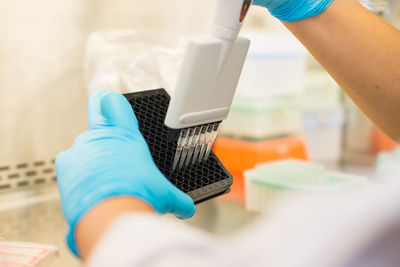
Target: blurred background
x,y
54,53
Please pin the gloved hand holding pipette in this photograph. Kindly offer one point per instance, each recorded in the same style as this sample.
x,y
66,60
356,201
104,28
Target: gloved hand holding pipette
x,y
112,159
293,10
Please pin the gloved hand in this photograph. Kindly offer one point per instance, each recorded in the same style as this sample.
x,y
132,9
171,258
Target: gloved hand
x,y
294,10
112,159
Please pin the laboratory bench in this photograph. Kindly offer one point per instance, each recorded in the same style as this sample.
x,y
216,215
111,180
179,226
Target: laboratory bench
x,y
37,217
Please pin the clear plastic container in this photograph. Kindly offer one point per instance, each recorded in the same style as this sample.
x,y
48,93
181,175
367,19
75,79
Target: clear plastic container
x,y
271,182
323,117
263,118
272,59
358,136
321,91
323,130
388,166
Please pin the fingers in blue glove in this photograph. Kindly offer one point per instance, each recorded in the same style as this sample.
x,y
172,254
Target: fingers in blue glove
x,y
94,109
183,207
111,109
294,10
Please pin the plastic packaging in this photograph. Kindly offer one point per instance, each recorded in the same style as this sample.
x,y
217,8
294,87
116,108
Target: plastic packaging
x,y
132,60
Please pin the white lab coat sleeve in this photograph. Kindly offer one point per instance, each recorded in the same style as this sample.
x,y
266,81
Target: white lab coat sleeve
x,y
150,240
353,229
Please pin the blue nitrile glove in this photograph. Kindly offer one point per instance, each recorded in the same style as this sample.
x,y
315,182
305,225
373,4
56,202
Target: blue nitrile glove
x,y
112,159
294,10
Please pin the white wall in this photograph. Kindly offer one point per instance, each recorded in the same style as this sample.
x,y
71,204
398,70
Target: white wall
x,y
42,95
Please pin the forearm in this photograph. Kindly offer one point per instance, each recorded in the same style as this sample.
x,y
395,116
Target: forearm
x,y
96,222
362,53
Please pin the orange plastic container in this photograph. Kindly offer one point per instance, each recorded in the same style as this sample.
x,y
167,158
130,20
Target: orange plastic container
x,y
238,156
237,189
382,143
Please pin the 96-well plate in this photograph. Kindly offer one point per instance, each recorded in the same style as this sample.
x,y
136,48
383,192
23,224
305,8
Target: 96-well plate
x,y
202,181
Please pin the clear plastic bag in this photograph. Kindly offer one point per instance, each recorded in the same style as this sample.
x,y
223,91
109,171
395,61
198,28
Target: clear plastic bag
x,y
132,60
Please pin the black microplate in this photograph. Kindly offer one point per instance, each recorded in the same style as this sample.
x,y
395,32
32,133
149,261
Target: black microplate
x,y
203,181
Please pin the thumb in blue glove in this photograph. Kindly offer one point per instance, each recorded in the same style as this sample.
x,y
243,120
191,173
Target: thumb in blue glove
x,y
294,10
112,159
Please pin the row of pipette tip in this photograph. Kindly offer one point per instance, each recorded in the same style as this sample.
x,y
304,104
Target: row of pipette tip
x,y
194,145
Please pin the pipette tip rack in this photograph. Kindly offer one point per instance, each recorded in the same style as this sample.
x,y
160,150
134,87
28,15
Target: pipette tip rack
x,y
184,156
